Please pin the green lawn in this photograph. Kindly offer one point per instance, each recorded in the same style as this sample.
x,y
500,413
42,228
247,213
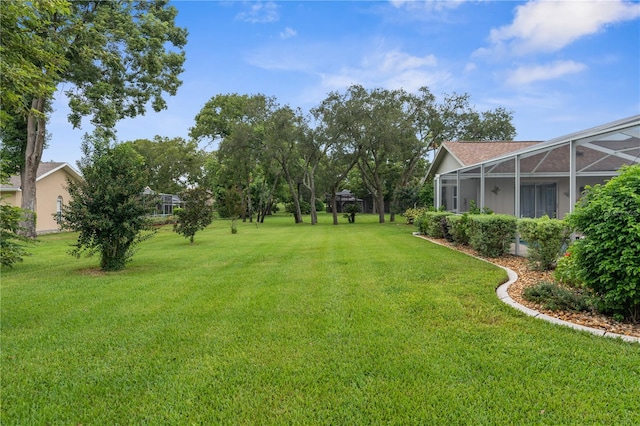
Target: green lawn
x,y
294,324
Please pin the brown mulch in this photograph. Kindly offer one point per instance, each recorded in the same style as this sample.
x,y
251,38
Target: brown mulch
x,y
528,278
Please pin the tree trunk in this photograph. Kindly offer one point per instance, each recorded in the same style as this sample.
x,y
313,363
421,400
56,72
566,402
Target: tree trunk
x,y
296,198
380,203
33,154
249,203
334,207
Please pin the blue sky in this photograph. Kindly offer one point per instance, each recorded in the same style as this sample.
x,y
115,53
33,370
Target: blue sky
x,y
560,66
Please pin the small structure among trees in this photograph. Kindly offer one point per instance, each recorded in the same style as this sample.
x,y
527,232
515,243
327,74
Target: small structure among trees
x,y
344,199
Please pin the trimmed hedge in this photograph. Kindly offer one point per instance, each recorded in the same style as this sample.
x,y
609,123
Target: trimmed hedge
x,y
491,235
546,238
429,223
459,228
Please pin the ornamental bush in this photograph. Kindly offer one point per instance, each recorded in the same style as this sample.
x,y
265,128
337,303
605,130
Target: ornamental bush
x,y
107,208
459,228
429,223
411,214
196,214
12,243
607,257
546,239
492,234
566,272
556,298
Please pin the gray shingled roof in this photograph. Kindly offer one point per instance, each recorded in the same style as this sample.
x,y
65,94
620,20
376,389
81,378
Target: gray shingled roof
x,y
44,168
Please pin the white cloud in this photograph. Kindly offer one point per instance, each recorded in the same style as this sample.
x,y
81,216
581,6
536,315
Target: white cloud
x,y
260,12
288,33
470,67
436,5
391,69
547,26
526,75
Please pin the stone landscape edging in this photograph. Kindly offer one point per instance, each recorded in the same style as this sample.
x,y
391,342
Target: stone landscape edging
x,y
503,295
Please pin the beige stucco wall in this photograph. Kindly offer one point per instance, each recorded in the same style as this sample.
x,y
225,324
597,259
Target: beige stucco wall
x,y
13,198
48,190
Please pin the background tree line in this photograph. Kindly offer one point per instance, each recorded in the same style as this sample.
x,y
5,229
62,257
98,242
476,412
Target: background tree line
x,y
118,58
373,141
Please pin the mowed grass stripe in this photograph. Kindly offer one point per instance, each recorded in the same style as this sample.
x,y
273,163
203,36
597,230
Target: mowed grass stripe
x,y
296,324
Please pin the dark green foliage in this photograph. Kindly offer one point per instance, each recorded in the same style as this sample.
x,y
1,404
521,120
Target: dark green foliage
x,y
232,206
429,223
107,207
350,211
546,238
492,235
607,258
12,244
444,226
305,207
196,214
556,298
459,228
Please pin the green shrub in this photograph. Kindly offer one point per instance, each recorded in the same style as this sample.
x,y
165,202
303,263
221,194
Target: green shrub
x,y
12,243
305,207
350,211
459,228
607,257
162,220
474,209
566,271
411,214
429,223
492,235
546,239
556,298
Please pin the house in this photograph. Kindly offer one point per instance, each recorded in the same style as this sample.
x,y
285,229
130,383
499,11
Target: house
x,y
531,179
51,193
165,203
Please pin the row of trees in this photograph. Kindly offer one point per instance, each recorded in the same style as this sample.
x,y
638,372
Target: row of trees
x,y
378,140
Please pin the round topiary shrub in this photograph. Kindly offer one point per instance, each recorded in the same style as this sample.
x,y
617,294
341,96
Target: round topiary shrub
x,y
607,258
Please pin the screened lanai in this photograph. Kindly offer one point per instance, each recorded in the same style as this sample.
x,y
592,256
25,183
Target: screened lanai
x,y
546,178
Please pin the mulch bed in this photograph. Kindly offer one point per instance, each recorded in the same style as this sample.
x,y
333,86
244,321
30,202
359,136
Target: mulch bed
x,y
527,278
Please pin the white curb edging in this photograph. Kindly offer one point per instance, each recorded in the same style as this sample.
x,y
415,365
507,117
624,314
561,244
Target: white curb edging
x,y
502,293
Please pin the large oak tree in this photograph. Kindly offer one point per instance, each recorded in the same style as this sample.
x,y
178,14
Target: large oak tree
x,y
116,57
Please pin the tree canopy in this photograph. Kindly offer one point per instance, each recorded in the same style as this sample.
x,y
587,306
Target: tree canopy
x,y
117,58
386,135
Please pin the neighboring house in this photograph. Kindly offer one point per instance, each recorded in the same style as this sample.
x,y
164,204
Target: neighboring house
x,y
51,193
531,179
165,202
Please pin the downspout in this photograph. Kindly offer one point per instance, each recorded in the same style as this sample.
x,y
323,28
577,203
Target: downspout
x,y
516,208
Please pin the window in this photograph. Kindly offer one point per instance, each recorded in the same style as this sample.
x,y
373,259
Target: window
x,y
59,209
537,200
